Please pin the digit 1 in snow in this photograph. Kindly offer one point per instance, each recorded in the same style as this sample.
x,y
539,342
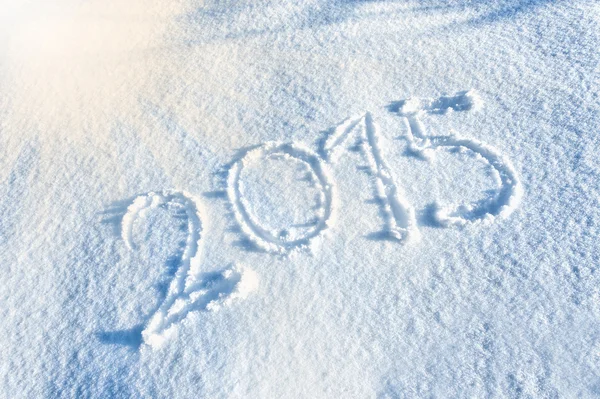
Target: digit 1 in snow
x,y
399,216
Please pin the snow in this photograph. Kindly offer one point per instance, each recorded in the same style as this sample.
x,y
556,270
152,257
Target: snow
x,y
259,199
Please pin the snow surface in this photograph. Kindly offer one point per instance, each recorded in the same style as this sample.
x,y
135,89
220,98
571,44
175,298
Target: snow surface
x,y
277,199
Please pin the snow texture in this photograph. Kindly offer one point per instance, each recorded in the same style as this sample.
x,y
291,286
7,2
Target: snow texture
x,y
299,199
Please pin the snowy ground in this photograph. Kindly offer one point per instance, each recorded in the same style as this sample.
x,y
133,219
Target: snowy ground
x,y
273,199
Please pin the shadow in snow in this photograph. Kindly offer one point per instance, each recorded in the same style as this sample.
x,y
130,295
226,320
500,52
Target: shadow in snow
x,y
131,337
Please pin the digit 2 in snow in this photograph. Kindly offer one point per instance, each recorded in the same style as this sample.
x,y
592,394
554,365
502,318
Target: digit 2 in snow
x,y
189,290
